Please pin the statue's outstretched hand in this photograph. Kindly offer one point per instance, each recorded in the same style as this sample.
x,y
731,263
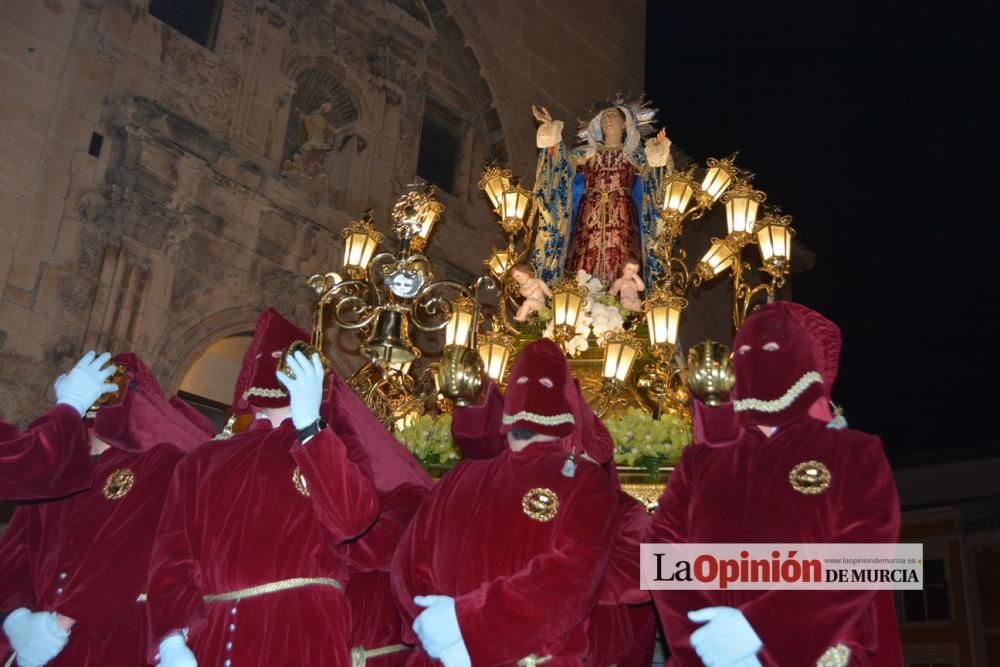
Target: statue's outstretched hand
x,y
541,114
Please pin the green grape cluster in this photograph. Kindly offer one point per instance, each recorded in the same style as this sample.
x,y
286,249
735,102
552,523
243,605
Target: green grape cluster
x,y
429,438
644,442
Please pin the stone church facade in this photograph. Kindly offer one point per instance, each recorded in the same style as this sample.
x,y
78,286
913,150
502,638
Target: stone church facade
x,y
162,181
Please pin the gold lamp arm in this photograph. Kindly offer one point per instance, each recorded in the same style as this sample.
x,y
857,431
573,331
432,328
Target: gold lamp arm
x,y
428,303
748,294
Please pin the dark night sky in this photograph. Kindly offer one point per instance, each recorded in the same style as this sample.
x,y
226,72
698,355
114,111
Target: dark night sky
x,y
874,129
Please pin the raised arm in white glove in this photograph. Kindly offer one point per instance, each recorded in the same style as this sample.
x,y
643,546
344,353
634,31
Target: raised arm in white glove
x,y
36,637
438,631
175,653
86,382
726,638
305,390
549,132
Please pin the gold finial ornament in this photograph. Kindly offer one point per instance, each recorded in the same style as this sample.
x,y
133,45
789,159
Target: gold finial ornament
x,y
118,484
414,216
461,374
710,375
120,379
306,349
810,478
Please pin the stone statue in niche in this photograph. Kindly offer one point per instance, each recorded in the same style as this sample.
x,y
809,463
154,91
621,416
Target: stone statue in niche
x,y
316,134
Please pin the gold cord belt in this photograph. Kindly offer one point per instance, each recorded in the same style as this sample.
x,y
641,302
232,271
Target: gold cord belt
x,y
606,195
532,660
274,587
360,655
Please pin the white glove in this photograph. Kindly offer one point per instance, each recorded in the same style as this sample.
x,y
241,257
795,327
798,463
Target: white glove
x,y
175,653
725,639
36,637
752,661
305,391
456,656
438,631
86,382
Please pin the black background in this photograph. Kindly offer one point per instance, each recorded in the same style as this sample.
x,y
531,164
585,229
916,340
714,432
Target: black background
x,y
874,127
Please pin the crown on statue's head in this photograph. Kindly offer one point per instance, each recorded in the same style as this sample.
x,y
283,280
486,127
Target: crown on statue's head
x,y
639,108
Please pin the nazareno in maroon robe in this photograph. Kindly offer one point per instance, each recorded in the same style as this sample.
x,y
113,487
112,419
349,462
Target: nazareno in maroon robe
x,y
234,519
86,556
622,627
401,484
736,489
376,622
521,586
49,459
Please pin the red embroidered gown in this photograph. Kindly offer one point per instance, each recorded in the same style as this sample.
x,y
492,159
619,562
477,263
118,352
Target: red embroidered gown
x,y
606,229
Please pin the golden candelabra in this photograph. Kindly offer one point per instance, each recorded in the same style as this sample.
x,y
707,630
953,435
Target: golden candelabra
x,y
773,235
387,295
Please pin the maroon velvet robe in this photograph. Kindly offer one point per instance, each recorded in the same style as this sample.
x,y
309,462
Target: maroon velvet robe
x,y
622,627
69,556
741,493
235,519
521,586
376,622
51,458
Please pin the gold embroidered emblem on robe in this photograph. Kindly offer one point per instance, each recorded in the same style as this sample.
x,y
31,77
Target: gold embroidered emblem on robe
x,y
540,504
810,478
118,483
299,480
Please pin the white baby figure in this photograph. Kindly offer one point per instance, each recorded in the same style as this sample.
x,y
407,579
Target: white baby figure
x,y
628,286
534,290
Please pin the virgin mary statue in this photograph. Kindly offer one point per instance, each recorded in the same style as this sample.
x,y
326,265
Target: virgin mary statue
x,y
599,201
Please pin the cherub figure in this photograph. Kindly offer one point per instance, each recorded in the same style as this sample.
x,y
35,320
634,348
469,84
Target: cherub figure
x,y
628,286
533,289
